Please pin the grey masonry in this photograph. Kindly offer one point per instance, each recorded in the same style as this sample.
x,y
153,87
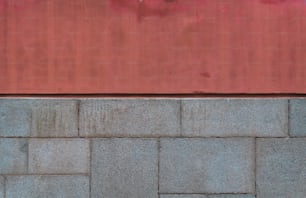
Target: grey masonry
x,y
130,117
47,186
234,117
60,156
297,118
124,168
208,196
13,156
38,118
281,168
152,147
207,165
2,187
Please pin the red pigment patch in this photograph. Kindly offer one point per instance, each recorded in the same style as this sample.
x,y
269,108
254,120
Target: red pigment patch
x,y
162,8
17,4
278,2
158,8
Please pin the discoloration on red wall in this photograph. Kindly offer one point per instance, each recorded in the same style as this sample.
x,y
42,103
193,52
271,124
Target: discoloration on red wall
x,y
194,46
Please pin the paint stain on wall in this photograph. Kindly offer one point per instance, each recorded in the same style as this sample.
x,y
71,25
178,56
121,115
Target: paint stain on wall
x,y
153,8
17,4
164,8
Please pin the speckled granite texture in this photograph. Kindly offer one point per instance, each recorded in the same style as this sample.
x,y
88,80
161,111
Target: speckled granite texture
x,y
152,147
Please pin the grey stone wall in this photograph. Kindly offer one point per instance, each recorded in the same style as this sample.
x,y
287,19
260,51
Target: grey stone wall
x,y
153,148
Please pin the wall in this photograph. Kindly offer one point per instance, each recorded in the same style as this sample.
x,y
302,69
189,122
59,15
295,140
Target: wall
x,y
152,147
152,46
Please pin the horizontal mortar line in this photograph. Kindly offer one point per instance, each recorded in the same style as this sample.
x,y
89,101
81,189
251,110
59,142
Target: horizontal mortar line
x,y
234,193
11,137
46,174
153,137
143,95
173,137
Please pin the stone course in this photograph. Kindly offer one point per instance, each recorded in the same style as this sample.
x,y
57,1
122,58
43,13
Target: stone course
x,y
207,165
235,117
297,118
38,118
47,187
2,187
124,168
152,148
13,156
281,168
59,156
129,117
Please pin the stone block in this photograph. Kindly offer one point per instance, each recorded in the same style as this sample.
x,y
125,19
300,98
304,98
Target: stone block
x,y
183,196
58,156
129,117
55,118
38,118
15,118
235,117
13,156
211,165
297,121
231,196
47,187
2,187
281,168
124,168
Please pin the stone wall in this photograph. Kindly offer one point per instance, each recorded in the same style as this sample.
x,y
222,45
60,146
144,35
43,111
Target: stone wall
x,y
153,148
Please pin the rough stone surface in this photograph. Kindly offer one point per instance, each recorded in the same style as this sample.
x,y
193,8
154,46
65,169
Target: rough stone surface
x,y
231,196
2,187
183,196
207,196
58,156
47,187
55,118
281,168
130,117
13,156
124,168
235,117
297,118
15,118
210,165
38,118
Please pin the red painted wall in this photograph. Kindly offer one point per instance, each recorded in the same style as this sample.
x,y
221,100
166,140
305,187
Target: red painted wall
x,y
152,46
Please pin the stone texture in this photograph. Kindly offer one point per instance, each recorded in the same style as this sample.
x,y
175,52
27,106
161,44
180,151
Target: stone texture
x,y
15,118
130,117
13,156
183,196
58,156
297,118
207,196
2,187
235,117
124,168
55,118
281,168
231,196
211,165
47,186
38,118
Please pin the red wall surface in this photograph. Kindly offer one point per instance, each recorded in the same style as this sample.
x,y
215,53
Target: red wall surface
x,y
152,46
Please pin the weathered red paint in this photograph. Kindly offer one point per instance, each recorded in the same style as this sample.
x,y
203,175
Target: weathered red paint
x,y
153,46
